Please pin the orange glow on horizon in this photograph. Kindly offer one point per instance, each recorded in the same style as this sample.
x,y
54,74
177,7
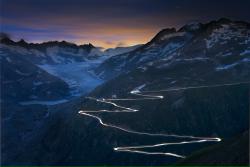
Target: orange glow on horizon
x,y
111,38
115,37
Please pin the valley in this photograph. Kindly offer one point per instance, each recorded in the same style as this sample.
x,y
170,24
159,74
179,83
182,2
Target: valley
x,y
162,102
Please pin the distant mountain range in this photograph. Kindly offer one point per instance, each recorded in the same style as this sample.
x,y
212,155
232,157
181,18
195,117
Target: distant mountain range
x,y
201,70
88,48
68,61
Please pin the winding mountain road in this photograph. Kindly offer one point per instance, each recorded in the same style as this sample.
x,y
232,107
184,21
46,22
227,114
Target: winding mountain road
x,y
144,95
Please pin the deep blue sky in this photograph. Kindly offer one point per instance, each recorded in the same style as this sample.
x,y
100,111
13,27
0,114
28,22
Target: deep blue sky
x,y
109,23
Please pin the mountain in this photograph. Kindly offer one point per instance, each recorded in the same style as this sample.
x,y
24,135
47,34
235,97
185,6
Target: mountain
x,y
120,50
72,63
52,52
216,42
69,62
184,91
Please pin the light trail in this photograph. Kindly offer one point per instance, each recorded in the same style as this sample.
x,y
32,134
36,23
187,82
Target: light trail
x,y
137,91
197,87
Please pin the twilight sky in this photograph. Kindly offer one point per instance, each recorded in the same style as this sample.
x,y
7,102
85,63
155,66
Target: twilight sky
x,y
109,23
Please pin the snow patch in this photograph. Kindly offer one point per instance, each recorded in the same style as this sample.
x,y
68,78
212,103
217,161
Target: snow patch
x,y
223,34
227,54
247,51
8,59
168,36
22,73
193,59
37,83
229,66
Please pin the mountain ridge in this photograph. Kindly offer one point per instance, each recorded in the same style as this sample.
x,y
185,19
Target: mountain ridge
x,y
169,42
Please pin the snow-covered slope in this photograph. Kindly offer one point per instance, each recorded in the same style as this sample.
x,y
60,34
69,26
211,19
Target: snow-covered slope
x,y
224,43
69,62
